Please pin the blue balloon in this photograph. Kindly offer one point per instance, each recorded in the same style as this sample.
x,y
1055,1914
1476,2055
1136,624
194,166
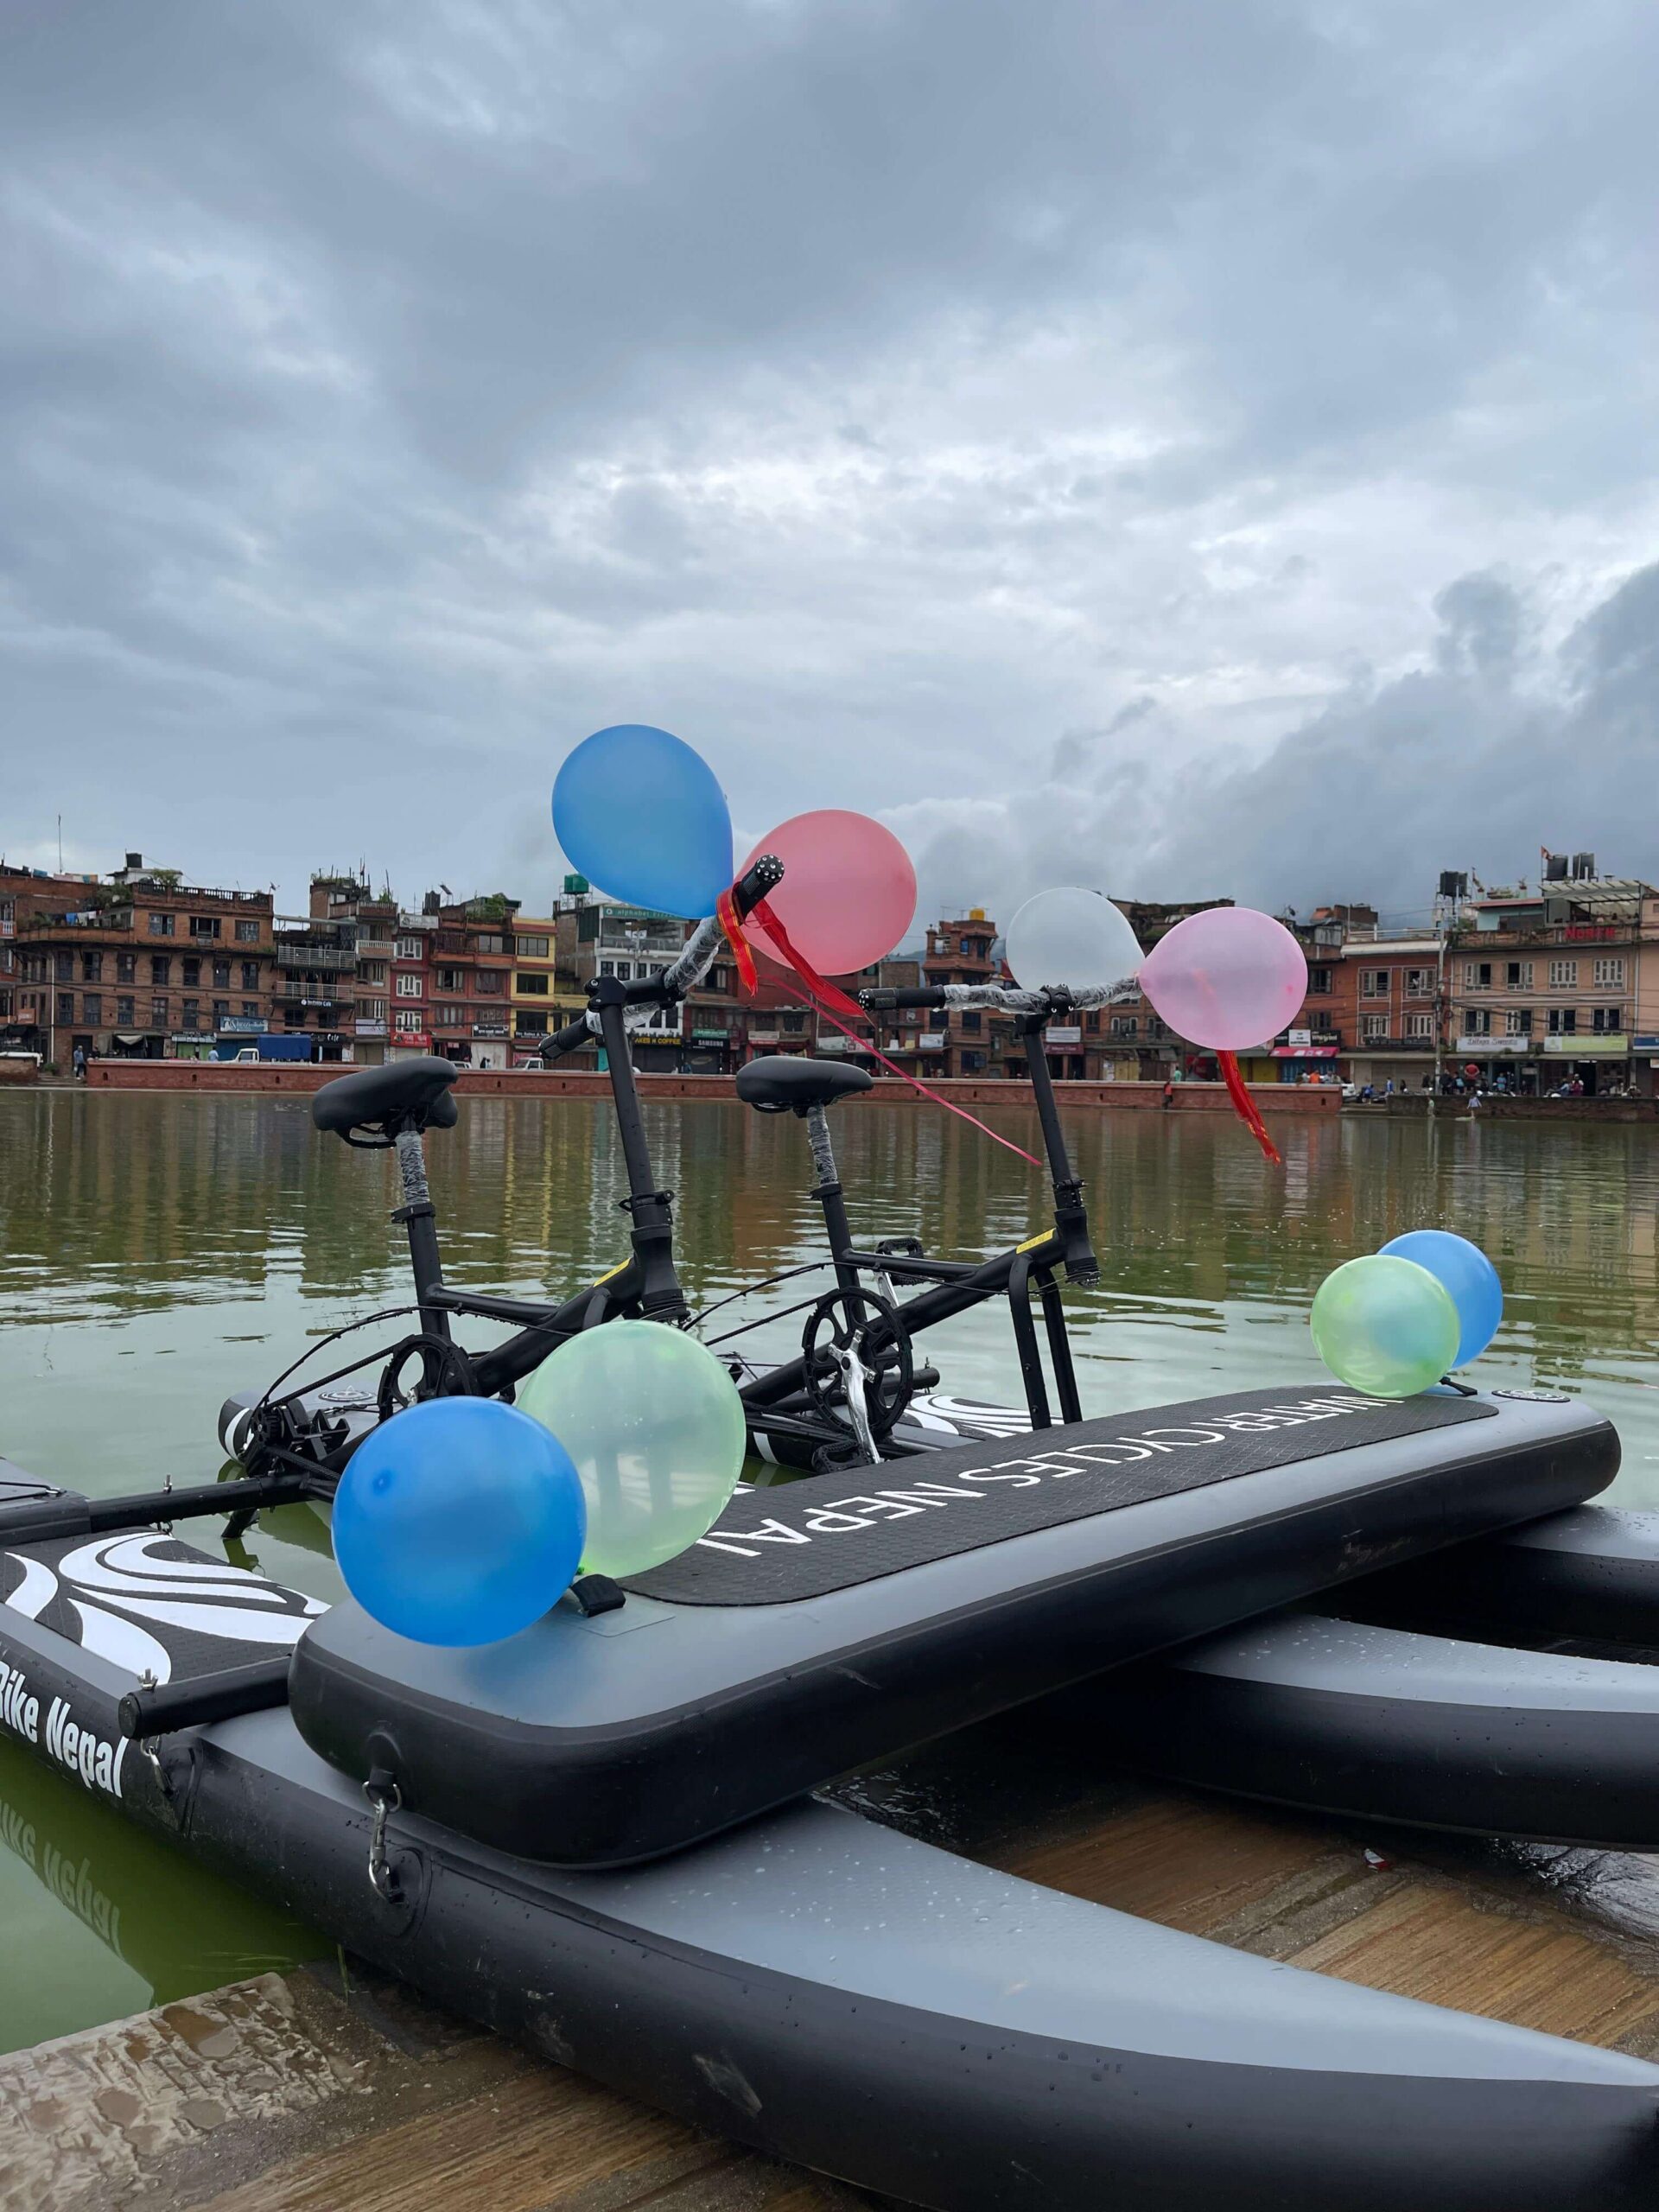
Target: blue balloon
x,y
1467,1274
641,815
459,1522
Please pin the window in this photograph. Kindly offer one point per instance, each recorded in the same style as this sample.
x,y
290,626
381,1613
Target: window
x,y
247,932
1518,976
791,1024
249,974
1563,974
608,967
221,975
190,1017
91,1008
448,1017
1606,1020
1563,1022
491,941
371,972
531,1025
1419,1025
204,928
1373,983
372,1010
532,987
66,1006
250,1009
1611,971
63,967
409,987
161,968
532,948
158,1013
971,1023
92,967
409,1018
1125,1025
1478,1021
124,1014
1420,983
1373,1027
408,948
1477,974
1517,1021
126,967
972,1062
454,979
160,925
190,973
221,1012
489,982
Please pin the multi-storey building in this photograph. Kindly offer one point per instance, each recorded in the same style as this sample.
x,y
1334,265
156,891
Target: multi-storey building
x,y
961,1040
471,980
1546,984
140,961
26,895
537,1006
410,973
363,922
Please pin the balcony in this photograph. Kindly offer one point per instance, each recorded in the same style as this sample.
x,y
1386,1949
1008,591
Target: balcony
x,y
316,959
376,948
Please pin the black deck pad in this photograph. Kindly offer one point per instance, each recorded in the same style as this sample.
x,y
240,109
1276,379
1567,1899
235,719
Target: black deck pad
x,y
803,1539
148,1604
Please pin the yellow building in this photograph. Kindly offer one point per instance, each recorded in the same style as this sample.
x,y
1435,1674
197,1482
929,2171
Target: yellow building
x,y
539,1005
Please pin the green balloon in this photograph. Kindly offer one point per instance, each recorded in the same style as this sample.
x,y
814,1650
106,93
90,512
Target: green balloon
x,y
1385,1326
656,1428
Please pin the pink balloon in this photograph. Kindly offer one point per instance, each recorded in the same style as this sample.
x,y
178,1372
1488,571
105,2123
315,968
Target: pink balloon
x,y
1226,978
849,892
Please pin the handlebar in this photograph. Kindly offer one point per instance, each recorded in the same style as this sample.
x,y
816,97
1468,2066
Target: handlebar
x,y
1010,999
673,982
708,936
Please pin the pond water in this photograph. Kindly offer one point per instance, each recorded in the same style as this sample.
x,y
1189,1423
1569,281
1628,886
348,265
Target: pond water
x,y
157,1252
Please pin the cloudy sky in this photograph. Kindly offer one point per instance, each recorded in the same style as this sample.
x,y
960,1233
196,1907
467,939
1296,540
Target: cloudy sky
x,y
1182,446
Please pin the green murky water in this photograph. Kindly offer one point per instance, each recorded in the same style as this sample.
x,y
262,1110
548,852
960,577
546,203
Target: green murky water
x,y
157,1253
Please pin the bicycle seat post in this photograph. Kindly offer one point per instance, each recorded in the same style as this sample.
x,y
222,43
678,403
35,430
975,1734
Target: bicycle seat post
x,y
419,1217
651,1210
829,1193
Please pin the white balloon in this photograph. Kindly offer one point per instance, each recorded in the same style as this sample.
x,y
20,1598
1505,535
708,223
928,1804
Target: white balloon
x,y
1069,939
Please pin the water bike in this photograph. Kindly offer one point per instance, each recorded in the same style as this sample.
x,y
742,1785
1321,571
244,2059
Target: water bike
x,y
856,1394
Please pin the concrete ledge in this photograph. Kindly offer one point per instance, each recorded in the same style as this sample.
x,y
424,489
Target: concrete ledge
x,y
275,1077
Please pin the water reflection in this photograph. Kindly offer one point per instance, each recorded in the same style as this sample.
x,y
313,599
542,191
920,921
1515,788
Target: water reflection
x,y
156,1252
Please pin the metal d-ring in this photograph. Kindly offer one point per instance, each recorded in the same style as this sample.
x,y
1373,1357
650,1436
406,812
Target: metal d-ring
x,y
384,1798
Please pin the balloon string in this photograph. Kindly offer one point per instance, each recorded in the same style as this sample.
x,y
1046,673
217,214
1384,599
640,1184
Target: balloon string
x,y
832,1002
1245,1107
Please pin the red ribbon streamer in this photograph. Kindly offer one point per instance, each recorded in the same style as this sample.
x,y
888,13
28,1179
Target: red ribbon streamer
x,y
1245,1107
726,910
832,1002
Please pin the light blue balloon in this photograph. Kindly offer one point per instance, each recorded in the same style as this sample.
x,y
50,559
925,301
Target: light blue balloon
x,y
459,1522
1467,1274
641,815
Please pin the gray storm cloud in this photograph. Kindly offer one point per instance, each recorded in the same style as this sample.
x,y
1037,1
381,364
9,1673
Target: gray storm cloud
x,y
1498,744
1136,436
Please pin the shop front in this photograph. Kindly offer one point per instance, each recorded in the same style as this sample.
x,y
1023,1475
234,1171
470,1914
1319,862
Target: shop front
x,y
1298,1060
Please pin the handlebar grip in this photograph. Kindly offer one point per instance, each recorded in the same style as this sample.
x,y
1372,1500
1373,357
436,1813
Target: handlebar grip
x,y
752,887
567,1039
881,1001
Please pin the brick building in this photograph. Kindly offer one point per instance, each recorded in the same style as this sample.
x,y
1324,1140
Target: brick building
x,y
410,972
139,962
470,980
